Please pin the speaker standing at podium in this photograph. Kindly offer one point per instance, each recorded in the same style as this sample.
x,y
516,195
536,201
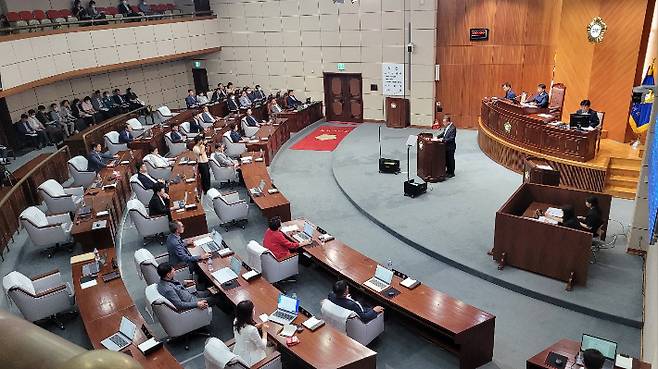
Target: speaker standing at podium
x,y
448,137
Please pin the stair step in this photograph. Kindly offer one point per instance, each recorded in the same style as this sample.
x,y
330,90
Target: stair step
x,y
625,162
624,172
621,192
622,181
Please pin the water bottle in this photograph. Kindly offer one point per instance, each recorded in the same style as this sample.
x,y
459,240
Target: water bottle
x,y
97,256
210,267
389,264
294,295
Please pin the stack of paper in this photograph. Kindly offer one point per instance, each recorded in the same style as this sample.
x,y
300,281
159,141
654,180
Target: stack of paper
x,y
202,240
408,282
288,330
88,284
313,323
290,228
554,212
547,220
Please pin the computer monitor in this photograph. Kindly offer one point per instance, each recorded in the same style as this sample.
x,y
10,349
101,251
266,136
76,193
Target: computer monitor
x,y
605,347
578,120
288,303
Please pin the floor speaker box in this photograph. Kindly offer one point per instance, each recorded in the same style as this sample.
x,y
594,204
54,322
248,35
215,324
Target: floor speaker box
x,y
413,189
389,166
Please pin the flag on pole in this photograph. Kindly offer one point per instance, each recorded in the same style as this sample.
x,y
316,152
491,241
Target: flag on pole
x,y
641,111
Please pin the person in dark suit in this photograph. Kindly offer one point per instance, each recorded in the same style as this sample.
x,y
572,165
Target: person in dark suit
x,y
509,93
586,110
175,135
176,293
541,98
195,124
97,160
235,133
191,100
448,137
125,135
126,10
108,104
37,138
292,100
259,94
177,249
250,119
569,218
159,204
232,105
592,221
119,100
145,178
341,297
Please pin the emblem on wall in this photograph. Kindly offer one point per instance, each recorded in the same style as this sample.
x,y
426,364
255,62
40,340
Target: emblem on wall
x,y
596,29
508,127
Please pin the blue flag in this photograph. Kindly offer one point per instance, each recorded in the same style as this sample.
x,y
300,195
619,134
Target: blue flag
x,y
641,112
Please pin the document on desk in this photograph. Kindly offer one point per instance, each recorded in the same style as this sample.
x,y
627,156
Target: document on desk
x,y
288,330
290,228
554,212
624,362
203,240
547,220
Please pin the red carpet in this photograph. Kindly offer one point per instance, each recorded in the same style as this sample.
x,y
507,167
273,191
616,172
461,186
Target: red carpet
x,y
324,138
341,122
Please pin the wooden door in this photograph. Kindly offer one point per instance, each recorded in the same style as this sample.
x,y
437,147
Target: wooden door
x,y
343,97
200,76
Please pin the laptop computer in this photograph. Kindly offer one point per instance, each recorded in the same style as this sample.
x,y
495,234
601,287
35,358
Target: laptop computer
x,y
123,338
381,280
213,245
306,234
236,265
286,311
258,190
605,347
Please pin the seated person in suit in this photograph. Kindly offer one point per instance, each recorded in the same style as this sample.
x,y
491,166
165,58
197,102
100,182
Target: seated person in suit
x,y
97,160
79,11
569,218
235,133
292,100
202,98
195,124
93,12
215,95
245,102
250,345
145,178
98,105
274,107
133,99
250,119
39,138
159,204
119,100
341,297
259,94
125,135
125,9
232,104
592,221
593,359
541,98
277,242
88,108
158,160
206,117
175,135
586,110
177,293
39,127
145,8
79,114
55,115
222,159
191,100
509,93
54,128
229,87
177,250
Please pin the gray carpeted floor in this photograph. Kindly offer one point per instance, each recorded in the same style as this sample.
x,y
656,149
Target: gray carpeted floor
x,y
524,326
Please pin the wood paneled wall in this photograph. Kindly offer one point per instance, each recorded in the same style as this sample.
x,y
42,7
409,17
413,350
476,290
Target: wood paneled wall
x,y
520,50
605,72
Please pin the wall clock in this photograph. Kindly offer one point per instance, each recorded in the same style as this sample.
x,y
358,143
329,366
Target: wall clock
x,y
596,29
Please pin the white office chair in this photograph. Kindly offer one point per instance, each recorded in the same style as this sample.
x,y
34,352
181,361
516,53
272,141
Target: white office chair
x,y
147,267
40,297
150,228
222,174
60,199
176,323
47,230
143,195
230,209
175,148
273,270
78,171
233,149
248,130
112,142
164,113
349,323
158,172
137,127
185,129
219,355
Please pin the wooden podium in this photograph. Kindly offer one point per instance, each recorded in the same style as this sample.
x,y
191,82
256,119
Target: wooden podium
x,y
539,171
431,158
397,112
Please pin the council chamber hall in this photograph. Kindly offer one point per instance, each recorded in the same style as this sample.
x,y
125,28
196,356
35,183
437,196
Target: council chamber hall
x,y
348,184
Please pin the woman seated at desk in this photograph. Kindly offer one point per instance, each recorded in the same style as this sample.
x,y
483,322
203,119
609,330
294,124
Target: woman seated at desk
x,y
250,345
569,218
592,221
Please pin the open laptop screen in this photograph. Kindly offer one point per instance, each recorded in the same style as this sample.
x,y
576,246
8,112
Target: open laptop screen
x,y
127,328
287,303
607,348
384,274
308,229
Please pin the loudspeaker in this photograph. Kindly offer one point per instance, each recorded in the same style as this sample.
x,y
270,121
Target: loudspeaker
x,y
413,189
389,166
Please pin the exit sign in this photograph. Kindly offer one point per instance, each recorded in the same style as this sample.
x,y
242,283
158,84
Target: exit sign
x,y
341,66
197,64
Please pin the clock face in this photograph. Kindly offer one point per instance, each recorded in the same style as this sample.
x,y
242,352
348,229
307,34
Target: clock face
x,y
595,30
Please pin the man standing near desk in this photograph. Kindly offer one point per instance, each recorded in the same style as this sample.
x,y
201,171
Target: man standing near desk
x,y
448,137
178,252
586,110
341,297
509,93
191,100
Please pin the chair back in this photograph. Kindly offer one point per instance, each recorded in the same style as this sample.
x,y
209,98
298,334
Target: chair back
x,y
135,124
136,206
185,128
218,356
78,163
51,188
556,98
77,166
112,137
164,111
143,195
147,266
336,316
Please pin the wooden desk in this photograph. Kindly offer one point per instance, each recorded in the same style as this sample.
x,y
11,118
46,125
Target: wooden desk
x,y
398,113
539,171
570,349
194,219
324,348
270,204
462,329
102,307
551,250
298,120
430,158
524,128
270,139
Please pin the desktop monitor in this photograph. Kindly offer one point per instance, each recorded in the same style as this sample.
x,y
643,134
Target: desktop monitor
x,y
578,120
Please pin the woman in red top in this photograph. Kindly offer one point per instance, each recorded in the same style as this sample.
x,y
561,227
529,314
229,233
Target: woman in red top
x,y
276,241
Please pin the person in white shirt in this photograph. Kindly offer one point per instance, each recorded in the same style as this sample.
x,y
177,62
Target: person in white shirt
x,y
250,346
157,160
202,98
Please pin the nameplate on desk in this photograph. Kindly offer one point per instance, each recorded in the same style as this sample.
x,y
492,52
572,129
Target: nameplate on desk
x,y
180,210
190,180
246,159
86,283
410,283
258,160
272,190
225,252
99,224
110,186
190,206
102,213
125,161
250,275
265,139
191,162
253,141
